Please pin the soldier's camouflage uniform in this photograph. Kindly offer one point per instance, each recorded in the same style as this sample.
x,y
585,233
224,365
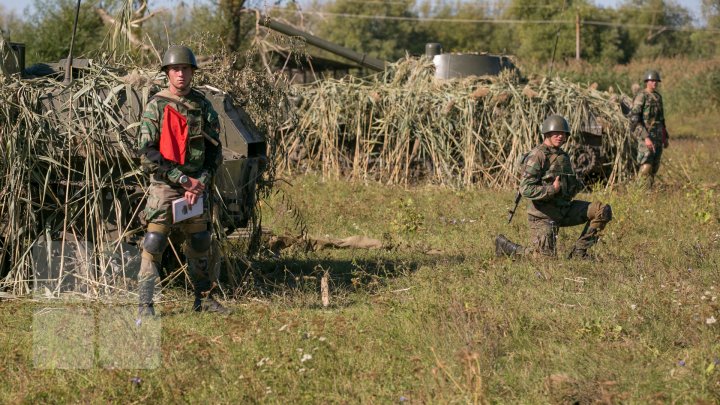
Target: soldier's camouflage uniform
x,y
648,119
202,160
548,210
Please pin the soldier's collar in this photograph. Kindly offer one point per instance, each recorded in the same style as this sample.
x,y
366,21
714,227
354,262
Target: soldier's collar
x,y
551,148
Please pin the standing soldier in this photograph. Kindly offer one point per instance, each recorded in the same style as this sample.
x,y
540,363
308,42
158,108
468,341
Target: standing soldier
x,y
647,124
180,150
549,182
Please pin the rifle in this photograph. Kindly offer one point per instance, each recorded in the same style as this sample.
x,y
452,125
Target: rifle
x,y
583,233
511,213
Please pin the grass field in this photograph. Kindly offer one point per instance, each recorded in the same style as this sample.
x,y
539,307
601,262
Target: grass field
x,y
435,317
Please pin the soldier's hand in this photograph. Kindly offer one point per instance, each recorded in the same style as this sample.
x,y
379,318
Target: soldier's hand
x,y
194,186
650,145
191,197
556,184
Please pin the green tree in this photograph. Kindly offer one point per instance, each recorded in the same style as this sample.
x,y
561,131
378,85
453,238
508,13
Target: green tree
x,y
223,24
653,28
601,40
185,23
365,27
10,23
48,30
711,13
463,36
705,43
547,30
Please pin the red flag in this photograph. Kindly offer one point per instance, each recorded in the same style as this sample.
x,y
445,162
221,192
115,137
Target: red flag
x,y
173,135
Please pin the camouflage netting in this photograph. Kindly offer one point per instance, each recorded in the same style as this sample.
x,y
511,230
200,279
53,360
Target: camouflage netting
x,y
403,126
72,191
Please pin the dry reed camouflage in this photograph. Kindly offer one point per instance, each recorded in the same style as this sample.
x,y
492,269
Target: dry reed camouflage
x,y
202,159
647,109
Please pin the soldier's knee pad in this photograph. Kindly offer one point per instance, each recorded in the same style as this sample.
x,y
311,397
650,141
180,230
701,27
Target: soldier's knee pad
x,y
155,243
200,241
606,213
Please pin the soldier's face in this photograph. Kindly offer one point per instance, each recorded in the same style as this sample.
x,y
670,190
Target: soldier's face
x,y
651,85
180,78
556,139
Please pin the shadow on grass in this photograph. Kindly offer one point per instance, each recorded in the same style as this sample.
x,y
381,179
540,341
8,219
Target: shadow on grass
x,y
355,274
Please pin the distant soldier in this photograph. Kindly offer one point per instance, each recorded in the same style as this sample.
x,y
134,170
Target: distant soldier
x,y
180,149
549,182
647,124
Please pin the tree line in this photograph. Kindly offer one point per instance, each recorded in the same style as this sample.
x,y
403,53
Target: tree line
x,y
532,30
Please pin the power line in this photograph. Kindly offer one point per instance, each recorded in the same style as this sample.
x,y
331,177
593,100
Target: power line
x,y
504,21
500,6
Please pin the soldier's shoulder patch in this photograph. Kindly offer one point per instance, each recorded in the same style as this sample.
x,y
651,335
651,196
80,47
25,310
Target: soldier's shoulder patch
x,y
639,97
537,154
520,161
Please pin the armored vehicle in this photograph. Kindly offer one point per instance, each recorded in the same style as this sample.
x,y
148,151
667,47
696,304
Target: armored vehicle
x,y
244,147
80,119
585,150
447,65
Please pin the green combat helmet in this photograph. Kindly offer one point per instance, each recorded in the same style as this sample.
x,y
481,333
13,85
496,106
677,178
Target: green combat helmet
x,y
178,55
555,123
652,75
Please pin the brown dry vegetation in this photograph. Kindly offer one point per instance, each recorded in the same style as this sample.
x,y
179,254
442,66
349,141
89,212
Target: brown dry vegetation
x,y
435,318
405,127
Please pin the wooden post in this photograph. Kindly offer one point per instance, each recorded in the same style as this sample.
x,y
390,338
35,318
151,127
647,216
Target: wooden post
x,y
577,36
325,289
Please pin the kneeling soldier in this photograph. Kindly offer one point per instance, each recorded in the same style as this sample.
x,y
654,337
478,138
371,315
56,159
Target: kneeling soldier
x,y
550,183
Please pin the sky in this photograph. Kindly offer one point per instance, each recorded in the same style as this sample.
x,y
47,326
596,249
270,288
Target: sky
x,y
20,5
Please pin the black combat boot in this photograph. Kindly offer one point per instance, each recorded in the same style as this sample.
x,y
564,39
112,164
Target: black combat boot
x,y
201,288
146,310
212,305
208,304
146,287
504,247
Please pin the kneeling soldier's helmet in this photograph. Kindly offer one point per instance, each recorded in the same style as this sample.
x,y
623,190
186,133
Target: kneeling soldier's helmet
x,y
178,55
651,75
555,123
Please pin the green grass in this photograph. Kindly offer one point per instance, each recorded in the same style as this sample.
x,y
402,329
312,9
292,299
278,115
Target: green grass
x,y
436,318
455,326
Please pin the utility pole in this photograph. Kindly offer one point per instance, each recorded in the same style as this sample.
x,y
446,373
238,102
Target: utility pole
x,y
577,36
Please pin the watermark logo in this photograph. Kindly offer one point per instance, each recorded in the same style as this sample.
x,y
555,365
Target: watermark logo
x,y
87,318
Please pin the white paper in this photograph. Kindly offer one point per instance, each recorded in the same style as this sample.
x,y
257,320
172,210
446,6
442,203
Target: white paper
x,y
182,210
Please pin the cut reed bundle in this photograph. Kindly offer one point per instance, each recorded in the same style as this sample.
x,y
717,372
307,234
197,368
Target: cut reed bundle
x,y
403,125
72,192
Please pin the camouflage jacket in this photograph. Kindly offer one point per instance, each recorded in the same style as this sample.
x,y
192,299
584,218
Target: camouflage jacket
x,y
647,115
541,166
202,157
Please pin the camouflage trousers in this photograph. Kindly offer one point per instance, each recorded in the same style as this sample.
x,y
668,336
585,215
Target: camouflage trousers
x,y
649,161
544,230
192,233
